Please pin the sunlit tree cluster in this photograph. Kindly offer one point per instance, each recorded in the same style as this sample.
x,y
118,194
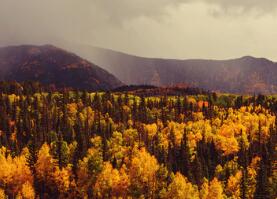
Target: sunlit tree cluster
x,y
76,144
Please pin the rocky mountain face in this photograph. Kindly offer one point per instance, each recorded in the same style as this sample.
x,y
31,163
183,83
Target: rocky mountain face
x,y
243,75
51,65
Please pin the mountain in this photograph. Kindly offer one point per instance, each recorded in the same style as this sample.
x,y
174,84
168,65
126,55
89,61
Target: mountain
x,y
243,75
51,65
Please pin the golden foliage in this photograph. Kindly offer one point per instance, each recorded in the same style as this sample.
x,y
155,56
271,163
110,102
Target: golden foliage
x,y
151,130
252,171
215,190
27,191
143,171
180,188
111,182
14,172
49,173
233,185
204,191
2,194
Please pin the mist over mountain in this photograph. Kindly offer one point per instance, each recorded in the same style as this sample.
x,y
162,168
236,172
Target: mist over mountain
x,y
51,65
242,75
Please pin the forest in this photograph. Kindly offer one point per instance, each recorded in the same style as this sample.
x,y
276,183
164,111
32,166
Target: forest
x,y
121,144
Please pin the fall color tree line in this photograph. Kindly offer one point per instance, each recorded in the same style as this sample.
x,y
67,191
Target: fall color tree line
x,y
78,144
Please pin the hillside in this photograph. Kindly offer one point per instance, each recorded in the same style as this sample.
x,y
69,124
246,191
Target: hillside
x,y
51,65
243,75
59,145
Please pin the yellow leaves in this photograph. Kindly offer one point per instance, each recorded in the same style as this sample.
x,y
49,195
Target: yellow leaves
x,y
198,116
227,145
116,149
151,130
218,171
96,142
215,190
163,137
13,98
252,171
49,173
216,122
243,109
193,139
28,191
88,115
13,137
232,166
144,166
238,126
126,109
83,174
90,166
45,163
204,192
129,170
14,172
143,170
105,180
160,124
123,183
178,131
212,189
72,112
227,131
233,185
130,137
61,177
130,123
180,188
196,131
2,194
109,104
72,109
225,140
191,100
255,162
111,182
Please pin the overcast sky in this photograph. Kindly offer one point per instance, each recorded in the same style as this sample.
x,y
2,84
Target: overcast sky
x,y
215,29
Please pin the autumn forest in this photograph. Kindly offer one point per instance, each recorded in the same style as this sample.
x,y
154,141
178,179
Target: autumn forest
x,y
188,144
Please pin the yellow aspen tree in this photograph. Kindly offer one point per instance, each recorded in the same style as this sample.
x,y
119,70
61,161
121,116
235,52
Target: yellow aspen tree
x,y
27,191
215,190
180,188
14,172
111,183
143,173
252,171
151,130
204,191
2,194
233,185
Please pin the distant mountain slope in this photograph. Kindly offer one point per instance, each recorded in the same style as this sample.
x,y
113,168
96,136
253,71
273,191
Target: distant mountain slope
x,y
242,75
51,65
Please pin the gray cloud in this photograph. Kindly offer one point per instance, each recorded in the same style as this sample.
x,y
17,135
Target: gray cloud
x,y
39,19
120,10
246,5
168,28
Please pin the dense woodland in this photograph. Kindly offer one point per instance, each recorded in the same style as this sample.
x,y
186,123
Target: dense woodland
x,y
76,144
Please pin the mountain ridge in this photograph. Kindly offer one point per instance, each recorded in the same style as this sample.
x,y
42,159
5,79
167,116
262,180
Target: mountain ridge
x,y
246,74
161,58
53,65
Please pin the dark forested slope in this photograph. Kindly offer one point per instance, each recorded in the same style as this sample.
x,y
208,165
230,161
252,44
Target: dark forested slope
x,y
243,75
50,65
